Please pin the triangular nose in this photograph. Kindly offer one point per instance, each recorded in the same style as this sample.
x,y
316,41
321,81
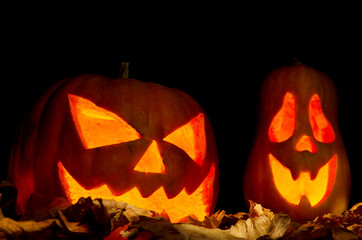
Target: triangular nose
x,y
305,144
151,161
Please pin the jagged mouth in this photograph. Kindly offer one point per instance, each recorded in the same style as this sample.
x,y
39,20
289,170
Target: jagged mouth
x,y
177,208
294,190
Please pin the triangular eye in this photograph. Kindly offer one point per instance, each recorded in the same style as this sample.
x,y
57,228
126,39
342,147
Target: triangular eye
x,y
322,129
98,127
191,138
283,123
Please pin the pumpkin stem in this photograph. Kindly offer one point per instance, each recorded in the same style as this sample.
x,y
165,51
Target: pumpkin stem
x,y
124,70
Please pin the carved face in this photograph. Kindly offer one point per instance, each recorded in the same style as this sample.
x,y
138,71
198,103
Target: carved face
x,y
314,183
140,143
298,163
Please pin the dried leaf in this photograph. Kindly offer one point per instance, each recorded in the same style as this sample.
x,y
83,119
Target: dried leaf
x,y
189,231
85,219
122,213
159,227
209,222
252,228
119,210
231,219
261,222
74,228
310,230
356,228
17,229
357,209
280,225
340,233
256,210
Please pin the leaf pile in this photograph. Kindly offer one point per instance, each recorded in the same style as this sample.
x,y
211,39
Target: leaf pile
x,y
50,217
259,223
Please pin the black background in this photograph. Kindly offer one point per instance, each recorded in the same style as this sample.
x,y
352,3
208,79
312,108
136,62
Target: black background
x,y
219,56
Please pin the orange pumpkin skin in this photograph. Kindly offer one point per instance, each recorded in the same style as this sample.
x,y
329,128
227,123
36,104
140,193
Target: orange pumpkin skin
x,y
296,173
50,137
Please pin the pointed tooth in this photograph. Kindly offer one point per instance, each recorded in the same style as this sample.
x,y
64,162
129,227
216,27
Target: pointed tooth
x,y
313,174
304,203
295,174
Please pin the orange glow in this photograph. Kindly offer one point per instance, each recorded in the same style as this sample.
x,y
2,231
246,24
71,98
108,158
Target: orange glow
x,y
315,190
283,123
151,161
99,127
305,144
322,129
177,208
191,138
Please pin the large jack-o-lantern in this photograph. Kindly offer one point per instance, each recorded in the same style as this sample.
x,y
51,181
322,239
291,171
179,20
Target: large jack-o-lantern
x,y
298,163
122,139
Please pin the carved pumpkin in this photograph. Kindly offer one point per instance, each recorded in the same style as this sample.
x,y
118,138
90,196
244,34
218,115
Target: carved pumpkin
x,y
122,139
298,163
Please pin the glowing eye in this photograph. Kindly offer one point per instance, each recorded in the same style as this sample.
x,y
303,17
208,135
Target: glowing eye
x,y
191,138
322,129
99,127
283,123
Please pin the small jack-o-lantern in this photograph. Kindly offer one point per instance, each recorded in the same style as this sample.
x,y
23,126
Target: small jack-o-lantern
x,y
298,163
142,143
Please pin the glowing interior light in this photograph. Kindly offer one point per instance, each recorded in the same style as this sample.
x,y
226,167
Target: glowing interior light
x,y
322,129
176,208
151,161
305,144
191,138
98,127
283,123
315,190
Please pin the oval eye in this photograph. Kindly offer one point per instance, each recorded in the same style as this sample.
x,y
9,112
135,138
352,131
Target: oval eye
x,y
283,124
98,127
191,138
322,129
